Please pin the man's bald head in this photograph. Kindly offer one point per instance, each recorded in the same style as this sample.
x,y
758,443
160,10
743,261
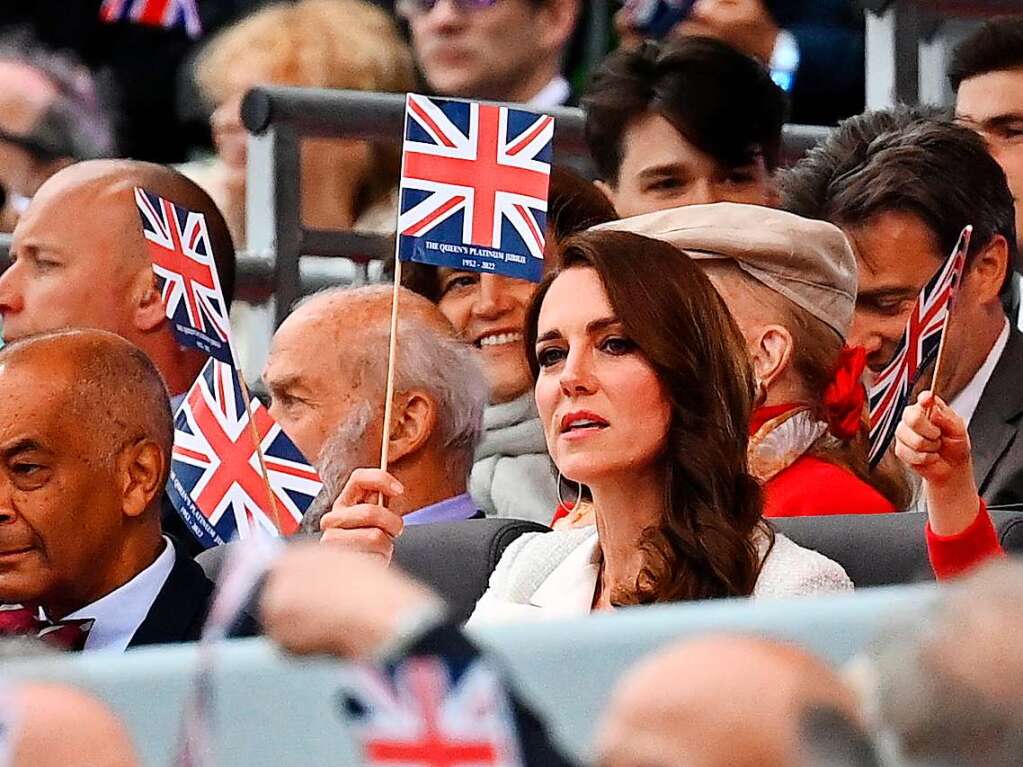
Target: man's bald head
x,y
719,702
107,188
330,354
107,385
55,726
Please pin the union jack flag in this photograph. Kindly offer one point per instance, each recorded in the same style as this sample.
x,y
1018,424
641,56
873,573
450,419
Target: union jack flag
x,y
420,715
474,185
168,14
182,256
216,482
919,346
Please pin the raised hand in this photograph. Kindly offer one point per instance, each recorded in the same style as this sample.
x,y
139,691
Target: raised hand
x,y
358,522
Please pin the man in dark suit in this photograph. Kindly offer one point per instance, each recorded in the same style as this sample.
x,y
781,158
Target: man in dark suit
x,y
85,444
903,185
79,260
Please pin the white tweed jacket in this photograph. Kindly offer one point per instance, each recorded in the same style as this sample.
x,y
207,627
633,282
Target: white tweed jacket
x,y
550,575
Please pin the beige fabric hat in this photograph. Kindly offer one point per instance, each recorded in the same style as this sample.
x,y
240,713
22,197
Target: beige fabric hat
x,y
811,263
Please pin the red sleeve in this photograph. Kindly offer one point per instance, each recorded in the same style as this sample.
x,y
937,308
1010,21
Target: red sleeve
x,y
953,555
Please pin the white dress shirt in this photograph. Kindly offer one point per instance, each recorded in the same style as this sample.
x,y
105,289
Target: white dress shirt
x,y
965,402
120,613
554,94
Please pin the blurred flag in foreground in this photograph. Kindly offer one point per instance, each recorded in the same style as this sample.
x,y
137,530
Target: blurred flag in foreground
x,y
182,256
474,185
918,348
426,710
216,483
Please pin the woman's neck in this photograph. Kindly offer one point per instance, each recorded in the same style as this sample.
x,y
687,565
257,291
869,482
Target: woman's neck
x,y
624,507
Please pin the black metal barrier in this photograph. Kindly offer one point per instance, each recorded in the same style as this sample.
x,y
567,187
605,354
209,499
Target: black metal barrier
x,y
278,118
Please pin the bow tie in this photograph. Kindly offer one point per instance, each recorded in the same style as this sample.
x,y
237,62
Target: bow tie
x,y
25,621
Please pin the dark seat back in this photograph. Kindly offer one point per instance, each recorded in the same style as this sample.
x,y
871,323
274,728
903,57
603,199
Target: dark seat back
x,y
883,549
455,559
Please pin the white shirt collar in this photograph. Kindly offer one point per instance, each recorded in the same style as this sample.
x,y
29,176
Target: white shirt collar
x,y
965,402
553,94
120,613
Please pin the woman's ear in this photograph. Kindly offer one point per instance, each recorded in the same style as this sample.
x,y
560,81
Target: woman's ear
x,y
771,353
141,467
413,421
149,310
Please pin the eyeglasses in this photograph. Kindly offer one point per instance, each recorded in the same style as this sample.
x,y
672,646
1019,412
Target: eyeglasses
x,y
418,7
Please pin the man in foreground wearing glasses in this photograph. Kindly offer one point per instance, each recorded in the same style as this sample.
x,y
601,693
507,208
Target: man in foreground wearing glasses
x,y
501,50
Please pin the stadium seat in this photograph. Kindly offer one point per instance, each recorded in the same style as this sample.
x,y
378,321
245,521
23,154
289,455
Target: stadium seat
x,y
883,549
454,558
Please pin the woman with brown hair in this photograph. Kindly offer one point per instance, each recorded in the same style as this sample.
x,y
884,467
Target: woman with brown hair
x,y
644,391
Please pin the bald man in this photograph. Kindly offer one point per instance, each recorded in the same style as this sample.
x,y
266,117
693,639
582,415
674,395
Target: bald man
x,y
735,702
79,260
327,373
55,726
85,441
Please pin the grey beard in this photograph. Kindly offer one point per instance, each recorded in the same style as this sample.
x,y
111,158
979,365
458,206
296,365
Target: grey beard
x,y
340,455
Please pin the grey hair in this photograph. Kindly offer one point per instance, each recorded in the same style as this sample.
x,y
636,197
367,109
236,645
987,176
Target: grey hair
x,y
78,125
929,710
446,369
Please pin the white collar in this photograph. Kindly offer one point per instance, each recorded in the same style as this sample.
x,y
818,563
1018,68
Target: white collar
x,y
120,613
553,94
965,402
571,586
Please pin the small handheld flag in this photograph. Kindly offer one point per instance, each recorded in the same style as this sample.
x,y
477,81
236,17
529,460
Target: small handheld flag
x,y
920,346
169,14
474,185
422,713
182,256
216,483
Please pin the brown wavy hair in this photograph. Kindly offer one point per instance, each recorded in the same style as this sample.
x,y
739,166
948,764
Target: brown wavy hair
x,y
706,545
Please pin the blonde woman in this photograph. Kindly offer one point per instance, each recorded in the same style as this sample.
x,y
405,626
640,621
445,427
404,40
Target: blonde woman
x,y
341,44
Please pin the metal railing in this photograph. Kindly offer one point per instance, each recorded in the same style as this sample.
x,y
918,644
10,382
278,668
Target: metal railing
x,y
278,118
276,263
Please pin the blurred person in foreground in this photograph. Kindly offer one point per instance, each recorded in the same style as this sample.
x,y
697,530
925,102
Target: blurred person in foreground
x,y
813,48
512,475
499,50
85,447
51,115
943,687
338,44
790,284
53,725
79,260
683,122
327,375
903,186
746,702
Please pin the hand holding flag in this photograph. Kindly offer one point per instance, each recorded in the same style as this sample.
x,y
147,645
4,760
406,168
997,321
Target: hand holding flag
x,y
921,344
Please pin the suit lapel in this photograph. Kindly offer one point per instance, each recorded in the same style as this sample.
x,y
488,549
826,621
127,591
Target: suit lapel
x,y
179,611
995,422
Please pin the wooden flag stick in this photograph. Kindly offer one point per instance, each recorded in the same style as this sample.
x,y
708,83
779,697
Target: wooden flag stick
x,y
392,350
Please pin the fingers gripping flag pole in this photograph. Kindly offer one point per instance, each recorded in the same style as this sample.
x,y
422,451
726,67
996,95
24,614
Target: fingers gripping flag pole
x,y
473,197
922,342
183,261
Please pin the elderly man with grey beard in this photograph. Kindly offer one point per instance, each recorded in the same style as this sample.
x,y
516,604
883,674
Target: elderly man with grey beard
x,y
327,375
